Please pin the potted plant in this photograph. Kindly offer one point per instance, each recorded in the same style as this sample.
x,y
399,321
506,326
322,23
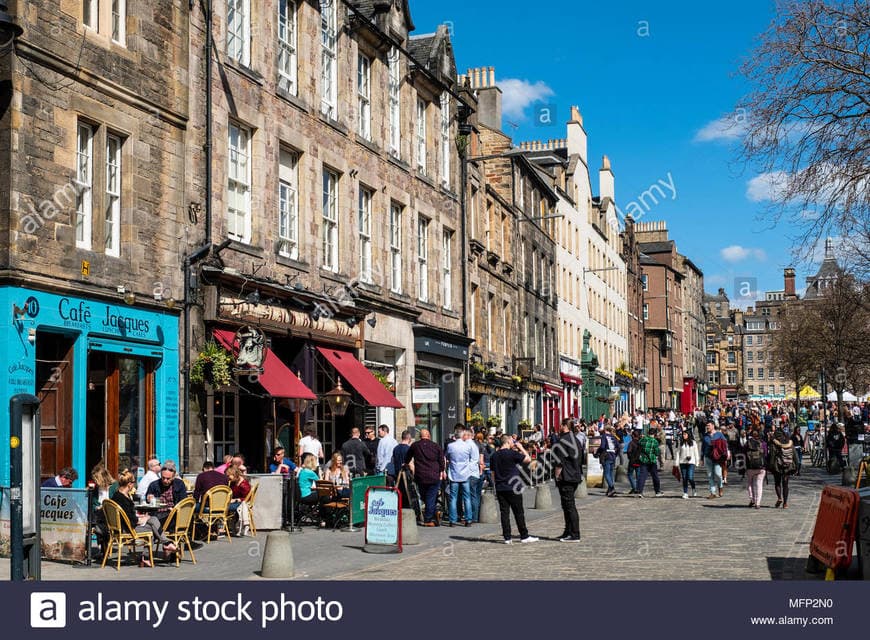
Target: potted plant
x,y
524,425
493,422
384,380
213,365
477,419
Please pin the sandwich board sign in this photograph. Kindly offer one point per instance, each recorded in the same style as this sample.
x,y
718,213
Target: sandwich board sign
x,y
383,523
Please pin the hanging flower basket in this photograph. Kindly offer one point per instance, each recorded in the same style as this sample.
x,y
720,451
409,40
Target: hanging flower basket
x,y
213,365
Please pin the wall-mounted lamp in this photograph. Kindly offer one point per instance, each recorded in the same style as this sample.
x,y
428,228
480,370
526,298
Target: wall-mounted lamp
x,y
373,321
351,322
253,297
17,312
130,298
338,399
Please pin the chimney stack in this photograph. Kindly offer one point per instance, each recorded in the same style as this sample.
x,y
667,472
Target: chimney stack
x,y
788,282
577,140
488,95
605,180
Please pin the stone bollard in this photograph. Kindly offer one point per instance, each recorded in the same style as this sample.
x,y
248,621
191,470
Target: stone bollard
x,y
543,499
410,535
277,556
581,492
621,475
488,508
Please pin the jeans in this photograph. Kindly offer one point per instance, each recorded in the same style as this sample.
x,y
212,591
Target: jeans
x,y
608,473
649,469
798,458
429,493
476,486
455,488
780,484
714,473
670,445
754,484
509,501
569,507
688,473
633,473
152,525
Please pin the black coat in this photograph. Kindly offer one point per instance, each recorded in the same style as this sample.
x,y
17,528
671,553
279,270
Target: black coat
x,y
568,454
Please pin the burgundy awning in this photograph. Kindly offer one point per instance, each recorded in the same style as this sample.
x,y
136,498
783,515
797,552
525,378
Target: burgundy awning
x,y
360,378
276,379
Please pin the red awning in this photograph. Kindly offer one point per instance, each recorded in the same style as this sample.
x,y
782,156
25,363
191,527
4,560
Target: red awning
x,y
276,378
360,378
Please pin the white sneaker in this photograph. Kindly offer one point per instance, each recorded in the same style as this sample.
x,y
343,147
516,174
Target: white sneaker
x,y
508,541
659,494
685,496
529,539
694,493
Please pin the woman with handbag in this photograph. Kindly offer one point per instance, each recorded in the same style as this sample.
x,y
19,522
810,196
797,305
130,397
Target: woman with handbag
x,y
688,457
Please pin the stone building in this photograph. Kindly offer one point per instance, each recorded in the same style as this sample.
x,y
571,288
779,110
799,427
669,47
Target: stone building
x,y
694,335
637,374
724,348
95,131
513,232
335,223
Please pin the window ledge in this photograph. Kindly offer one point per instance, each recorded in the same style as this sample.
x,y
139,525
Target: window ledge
x,y
450,313
335,124
425,178
293,264
249,249
369,287
296,101
426,305
398,162
247,72
333,276
400,297
368,144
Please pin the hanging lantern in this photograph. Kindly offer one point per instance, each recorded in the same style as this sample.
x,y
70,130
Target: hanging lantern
x,y
338,400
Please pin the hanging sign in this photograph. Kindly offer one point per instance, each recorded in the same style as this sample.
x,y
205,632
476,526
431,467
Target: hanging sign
x,y
252,350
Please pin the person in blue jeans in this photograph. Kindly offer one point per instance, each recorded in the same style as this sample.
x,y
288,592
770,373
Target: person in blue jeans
x,y
463,458
687,458
633,453
607,453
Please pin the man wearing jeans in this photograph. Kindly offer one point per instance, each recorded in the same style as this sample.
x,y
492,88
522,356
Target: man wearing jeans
x,y
428,467
462,458
714,469
509,487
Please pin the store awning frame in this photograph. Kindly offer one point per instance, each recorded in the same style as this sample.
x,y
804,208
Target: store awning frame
x,y
277,379
355,374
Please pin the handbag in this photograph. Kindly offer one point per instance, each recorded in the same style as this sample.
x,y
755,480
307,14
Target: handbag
x,y
675,471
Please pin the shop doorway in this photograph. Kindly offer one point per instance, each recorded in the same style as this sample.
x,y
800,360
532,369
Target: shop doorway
x,y
54,384
120,411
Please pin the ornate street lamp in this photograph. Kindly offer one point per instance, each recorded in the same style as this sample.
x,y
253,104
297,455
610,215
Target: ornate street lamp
x,y
9,30
338,400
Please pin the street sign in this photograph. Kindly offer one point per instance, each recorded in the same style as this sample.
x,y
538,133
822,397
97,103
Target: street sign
x,y
383,525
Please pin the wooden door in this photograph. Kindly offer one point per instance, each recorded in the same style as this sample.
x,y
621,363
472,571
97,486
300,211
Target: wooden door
x,y
54,384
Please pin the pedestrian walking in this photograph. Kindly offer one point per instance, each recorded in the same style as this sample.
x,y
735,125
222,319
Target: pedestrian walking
x,y
428,460
569,473
650,459
688,457
607,453
715,454
633,454
509,487
781,464
463,457
756,455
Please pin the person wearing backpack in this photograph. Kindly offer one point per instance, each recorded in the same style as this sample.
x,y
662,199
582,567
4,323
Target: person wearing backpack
x,y
715,453
756,454
633,452
782,466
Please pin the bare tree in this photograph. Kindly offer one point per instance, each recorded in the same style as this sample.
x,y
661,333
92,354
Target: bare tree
x,y
792,349
807,120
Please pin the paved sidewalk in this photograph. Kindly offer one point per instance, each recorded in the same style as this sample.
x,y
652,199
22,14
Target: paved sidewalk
x,y
624,538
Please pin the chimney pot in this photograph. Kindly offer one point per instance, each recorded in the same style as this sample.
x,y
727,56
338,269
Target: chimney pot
x,y
492,76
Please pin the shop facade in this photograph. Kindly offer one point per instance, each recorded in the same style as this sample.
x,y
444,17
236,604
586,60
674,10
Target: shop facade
x,y
106,374
438,396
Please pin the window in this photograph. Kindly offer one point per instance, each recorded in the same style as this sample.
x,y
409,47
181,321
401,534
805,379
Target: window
x,y
749,340
732,377
423,259
521,192
472,213
782,389
288,205
760,341
119,20
760,372
394,86
749,356
447,269
644,280
732,357
113,196
239,31
646,312
490,343
364,96
330,220
760,356
328,65
364,228
395,248
713,377
91,13
239,184
421,136
84,185
472,311
751,389
287,46
770,374
750,373
445,140
711,357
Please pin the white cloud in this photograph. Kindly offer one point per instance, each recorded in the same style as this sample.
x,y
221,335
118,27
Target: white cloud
x,y
517,95
715,280
767,186
727,128
736,253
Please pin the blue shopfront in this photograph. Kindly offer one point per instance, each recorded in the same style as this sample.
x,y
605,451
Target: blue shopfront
x,y
106,375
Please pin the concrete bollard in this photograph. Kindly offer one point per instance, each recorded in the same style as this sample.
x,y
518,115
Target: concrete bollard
x,y
582,491
277,556
488,508
621,475
543,499
410,535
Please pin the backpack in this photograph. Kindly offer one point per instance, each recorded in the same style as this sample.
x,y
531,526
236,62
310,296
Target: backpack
x,y
719,449
784,460
754,455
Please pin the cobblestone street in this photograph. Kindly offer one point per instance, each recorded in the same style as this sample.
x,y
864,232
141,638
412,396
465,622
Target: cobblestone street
x,y
623,538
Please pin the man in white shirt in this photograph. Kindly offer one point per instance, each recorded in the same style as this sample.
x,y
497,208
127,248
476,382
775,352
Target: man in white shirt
x,y
386,444
310,444
152,473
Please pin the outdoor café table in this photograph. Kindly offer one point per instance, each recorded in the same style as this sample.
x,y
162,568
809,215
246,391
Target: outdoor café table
x,y
151,509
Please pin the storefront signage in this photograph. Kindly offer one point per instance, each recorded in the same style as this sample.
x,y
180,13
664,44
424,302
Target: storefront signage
x,y
441,348
64,522
383,524
252,350
425,395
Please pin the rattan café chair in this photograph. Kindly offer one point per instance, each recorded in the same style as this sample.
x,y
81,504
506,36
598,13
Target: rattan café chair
x,y
215,509
121,532
177,527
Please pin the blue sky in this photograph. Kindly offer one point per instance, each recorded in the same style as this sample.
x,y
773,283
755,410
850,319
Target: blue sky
x,y
652,80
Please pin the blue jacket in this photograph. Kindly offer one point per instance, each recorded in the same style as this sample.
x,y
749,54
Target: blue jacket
x,y
707,448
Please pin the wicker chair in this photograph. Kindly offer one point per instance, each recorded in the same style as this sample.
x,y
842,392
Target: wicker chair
x,y
121,532
331,503
177,527
215,509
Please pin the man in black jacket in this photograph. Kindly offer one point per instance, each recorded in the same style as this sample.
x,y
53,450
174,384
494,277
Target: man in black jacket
x,y
569,473
356,454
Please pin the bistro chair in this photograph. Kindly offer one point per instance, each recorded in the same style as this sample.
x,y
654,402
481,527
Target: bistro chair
x,y
306,513
177,526
332,503
121,532
249,501
215,509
